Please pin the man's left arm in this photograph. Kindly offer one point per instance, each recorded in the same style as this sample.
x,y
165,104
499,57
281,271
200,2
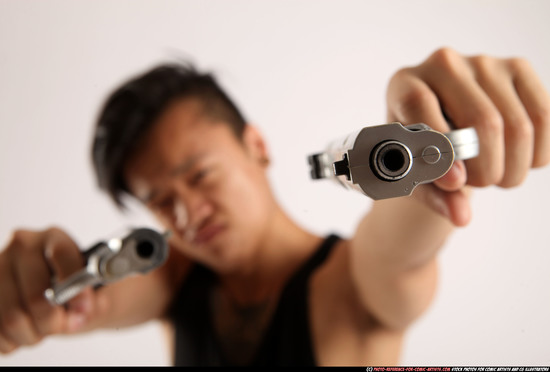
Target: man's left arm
x,y
394,250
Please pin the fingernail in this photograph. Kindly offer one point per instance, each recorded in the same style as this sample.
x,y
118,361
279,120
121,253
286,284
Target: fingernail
x,y
454,172
439,205
80,304
75,321
460,171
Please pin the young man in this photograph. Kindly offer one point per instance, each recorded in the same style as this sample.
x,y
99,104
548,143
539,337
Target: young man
x,y
244,284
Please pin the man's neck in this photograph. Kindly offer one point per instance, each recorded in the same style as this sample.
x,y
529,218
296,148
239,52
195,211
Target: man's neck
x,y
284,248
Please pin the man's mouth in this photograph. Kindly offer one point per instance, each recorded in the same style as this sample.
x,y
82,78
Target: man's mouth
x,y
207,233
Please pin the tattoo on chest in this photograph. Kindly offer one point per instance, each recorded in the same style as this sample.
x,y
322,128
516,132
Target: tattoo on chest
x,y
240,329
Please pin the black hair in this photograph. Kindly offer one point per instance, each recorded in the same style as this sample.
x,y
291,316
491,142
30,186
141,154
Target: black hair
x,y
132,109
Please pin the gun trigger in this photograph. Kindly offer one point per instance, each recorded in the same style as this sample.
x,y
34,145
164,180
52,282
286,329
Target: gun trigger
x,y
341,167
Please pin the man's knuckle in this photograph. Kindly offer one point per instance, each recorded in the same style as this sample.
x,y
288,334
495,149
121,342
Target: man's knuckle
x,y
444,54
518,65
483,176
541,160
511,181
491,176
489,121
54,231
445,58
482,62
35,339
414,99
20,243
7,349
19,237
541,115
541,126
6,346
415,96
520,131
400,75
35,305
483,66
12,320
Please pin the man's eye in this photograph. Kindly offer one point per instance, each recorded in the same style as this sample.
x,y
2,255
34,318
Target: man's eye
x,y
199,176
162,204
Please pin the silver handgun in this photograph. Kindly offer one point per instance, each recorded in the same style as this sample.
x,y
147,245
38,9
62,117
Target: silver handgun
x,y
138,251
390,160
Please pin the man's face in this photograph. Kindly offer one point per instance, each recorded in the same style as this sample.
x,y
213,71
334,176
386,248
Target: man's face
x,y
202,183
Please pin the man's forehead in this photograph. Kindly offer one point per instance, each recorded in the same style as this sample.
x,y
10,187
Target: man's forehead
x,y
146,189
179,129
180,137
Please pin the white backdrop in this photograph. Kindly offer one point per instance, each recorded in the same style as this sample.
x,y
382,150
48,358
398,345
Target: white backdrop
x,y
305,72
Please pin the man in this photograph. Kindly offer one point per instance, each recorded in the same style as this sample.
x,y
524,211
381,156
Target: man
x,y
244,284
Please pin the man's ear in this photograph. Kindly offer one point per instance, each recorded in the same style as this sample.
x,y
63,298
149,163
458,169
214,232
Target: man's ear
x,y
255,145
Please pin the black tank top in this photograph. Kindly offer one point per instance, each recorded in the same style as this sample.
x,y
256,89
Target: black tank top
x,y
287,341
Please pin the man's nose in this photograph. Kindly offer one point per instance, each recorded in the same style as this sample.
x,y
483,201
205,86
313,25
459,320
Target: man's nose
x,y
191,209
180,215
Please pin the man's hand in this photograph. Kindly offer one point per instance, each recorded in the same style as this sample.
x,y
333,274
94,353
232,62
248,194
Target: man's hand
x,y
27,266
502,98
395,247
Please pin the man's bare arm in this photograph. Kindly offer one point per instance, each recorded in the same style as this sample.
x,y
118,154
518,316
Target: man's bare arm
x,y
393,259
395,247
140,298
27,264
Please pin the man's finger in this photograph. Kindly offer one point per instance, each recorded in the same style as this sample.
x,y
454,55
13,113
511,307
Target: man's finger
x,y
467,105
536,100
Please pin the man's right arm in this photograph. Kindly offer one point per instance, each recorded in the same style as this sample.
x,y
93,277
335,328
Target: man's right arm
x,y
31,259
